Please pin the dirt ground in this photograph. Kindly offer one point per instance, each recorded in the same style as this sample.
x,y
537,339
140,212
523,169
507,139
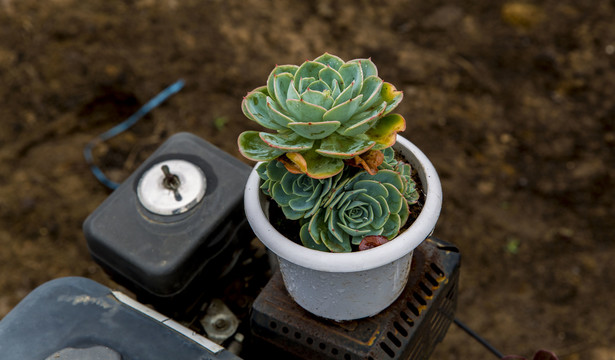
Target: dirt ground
x,y
514,102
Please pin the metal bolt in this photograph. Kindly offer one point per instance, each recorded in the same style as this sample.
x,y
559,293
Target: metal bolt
x,y
171,182
221,324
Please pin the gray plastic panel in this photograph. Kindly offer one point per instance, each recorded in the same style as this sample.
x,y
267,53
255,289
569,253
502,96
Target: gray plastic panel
x,y
163,254
79,313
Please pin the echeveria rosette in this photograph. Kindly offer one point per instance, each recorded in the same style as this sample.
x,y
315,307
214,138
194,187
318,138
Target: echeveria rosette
x,y
298,195
404,169
323,112
360,206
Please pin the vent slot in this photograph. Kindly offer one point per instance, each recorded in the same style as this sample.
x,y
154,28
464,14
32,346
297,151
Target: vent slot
x,y
431,280
425,289
387,350
405,317
413,308
419,298
400,329
437,270
394,339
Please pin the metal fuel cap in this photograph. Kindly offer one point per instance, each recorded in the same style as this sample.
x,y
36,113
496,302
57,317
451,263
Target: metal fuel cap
x,y
171,187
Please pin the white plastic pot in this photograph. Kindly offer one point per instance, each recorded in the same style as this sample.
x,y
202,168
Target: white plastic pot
x,y
348,286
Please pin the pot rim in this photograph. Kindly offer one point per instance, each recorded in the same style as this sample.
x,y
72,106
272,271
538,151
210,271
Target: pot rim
x,y
400,246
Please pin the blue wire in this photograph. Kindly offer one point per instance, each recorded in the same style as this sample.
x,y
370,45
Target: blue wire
x,y
123,126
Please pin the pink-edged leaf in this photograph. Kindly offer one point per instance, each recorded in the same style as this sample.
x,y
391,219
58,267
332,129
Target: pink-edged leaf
x,y
317,130
254,148
342,147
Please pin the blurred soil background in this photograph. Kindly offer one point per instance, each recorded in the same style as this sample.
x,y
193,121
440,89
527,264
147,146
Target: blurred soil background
x,y
514,102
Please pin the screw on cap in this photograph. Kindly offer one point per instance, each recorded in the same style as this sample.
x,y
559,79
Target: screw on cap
x,y
171,182
176,189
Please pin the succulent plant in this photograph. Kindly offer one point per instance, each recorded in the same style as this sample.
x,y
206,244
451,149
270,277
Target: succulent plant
x,y
298,195
323,112
404,169
360,206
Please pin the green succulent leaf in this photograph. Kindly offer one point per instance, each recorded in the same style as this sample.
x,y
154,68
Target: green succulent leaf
x,y
254,148
412,196
342,147
318,130
343,111
291,213
409,190
318,97
303,111
384,132
277,114
392,96
320,233
388,177
335,246
335,90
319,85
374,188
333,198
362,122
274,171
266,184
317,225
367,66
254,107
395,199
261,89
372,87
308,241
334,231
354,232
389,162
262,171
308,69
321,167
404,213
301,204
330,60
375,209
392,226
287,142
280,85
380,220
279,195
329,75
353,76
345,95
291,94
286,72
304,83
